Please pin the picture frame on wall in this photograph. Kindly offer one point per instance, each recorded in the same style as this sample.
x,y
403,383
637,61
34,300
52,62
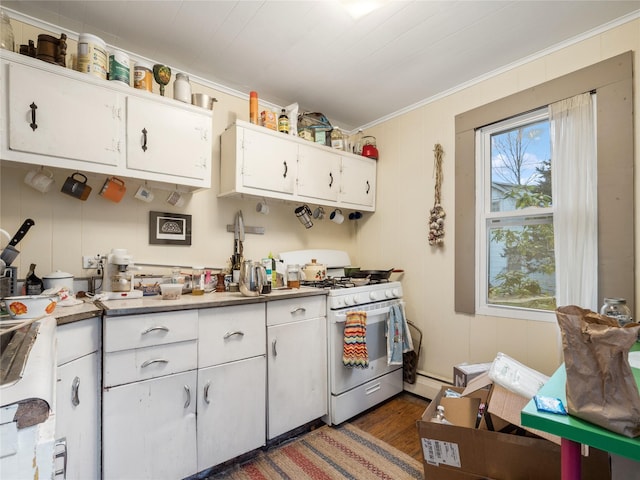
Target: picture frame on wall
x,y
169,228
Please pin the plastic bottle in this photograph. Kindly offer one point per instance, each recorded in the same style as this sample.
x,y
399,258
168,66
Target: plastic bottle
x,y
253,107
33,284
283,122
440,418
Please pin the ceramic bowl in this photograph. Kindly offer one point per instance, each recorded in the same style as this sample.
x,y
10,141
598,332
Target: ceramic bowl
x,y
31,306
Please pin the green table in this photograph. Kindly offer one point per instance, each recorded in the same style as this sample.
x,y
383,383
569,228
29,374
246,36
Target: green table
x,y
575,431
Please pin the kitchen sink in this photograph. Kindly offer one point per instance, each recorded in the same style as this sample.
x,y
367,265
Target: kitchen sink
x,y
15,345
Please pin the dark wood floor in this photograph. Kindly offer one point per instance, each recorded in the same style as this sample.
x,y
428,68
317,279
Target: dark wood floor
x,y
394,422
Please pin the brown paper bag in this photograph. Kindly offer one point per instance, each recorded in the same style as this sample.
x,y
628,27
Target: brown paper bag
x,y
600,385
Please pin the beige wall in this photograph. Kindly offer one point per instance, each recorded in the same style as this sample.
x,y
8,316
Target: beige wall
x,y
405,196
395,236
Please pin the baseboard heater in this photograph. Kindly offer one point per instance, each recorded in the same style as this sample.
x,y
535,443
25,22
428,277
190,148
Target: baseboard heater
x,y
426,386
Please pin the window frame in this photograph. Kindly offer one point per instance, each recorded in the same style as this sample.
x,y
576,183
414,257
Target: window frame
x,y
612,79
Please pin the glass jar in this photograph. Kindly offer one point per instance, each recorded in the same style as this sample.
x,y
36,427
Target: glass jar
x,y
617,308
293,276
6,32
197,281
182,88
337,139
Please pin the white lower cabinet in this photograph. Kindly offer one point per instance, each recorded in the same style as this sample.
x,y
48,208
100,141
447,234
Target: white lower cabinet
x,y
77,408
231,410
149,428
296,363
149,396
231,382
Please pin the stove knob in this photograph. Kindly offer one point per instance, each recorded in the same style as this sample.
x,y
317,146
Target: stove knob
x,y
348,300
389,293
373,296
396,292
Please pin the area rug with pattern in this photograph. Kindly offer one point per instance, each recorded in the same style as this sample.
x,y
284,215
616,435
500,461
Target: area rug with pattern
x,y
328,453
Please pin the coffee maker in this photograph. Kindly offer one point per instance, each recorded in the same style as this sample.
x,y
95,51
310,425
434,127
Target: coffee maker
x,y
117,279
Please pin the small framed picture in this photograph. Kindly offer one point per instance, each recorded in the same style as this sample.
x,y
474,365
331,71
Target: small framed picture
x,y
169,229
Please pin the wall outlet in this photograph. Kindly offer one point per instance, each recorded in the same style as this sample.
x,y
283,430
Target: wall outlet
x,y
91,261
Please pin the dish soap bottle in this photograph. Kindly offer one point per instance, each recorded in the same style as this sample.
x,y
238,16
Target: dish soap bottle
x,y
33,284
283,122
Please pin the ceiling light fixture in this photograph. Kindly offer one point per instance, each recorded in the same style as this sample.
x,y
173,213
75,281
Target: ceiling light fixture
x,y
359,8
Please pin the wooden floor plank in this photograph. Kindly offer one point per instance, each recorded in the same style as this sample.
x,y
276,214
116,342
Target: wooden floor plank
x,y
394,422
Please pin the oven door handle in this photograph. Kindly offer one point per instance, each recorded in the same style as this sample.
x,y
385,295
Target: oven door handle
x,y
342,317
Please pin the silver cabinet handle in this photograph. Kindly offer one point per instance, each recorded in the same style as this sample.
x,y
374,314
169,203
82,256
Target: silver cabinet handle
x,y
298,309
188,402
231,334
273,348
75,387
206,393
153,329
155,360
61,442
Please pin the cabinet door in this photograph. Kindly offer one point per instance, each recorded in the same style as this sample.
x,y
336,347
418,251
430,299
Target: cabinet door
x,y
297,370
231,410
358,182
168,140
268,162
62,117
149,428
318,173
78,416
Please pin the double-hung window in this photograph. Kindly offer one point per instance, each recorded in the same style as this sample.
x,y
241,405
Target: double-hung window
x,y
514,212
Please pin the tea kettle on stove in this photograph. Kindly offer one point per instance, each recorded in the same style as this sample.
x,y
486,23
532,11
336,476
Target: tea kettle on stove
x,y
253,277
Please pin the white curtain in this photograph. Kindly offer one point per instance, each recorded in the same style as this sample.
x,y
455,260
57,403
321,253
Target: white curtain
x,y
575,200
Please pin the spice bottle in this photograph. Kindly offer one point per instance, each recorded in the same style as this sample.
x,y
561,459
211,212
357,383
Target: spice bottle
x,y
182,88
253,107
283,122
33,284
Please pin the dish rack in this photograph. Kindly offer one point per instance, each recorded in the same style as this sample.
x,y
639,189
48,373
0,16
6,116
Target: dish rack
x,y
9,282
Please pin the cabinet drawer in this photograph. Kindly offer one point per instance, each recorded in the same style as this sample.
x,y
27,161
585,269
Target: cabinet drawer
x,y
128,366
231,333
78,339
296,309
135,331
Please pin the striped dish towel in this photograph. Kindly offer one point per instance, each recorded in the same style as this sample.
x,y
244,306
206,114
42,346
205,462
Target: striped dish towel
x,y
355,342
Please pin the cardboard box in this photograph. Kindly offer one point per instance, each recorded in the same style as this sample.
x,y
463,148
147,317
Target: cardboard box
x,y
464,373
453,452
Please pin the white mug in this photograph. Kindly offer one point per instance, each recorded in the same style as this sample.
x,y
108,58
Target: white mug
x,y
41,181
144,194
336,216
176,199
262,208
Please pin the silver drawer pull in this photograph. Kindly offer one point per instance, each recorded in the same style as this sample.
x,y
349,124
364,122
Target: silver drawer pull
x,y
188,402
206,393
75,387
231,334
155,360
298,309
153,329
61,442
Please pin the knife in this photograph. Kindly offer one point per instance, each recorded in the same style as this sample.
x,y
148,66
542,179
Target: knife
x,y
24,228
10,252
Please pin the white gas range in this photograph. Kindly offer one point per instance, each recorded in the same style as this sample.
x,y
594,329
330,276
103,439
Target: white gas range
x,y
354,390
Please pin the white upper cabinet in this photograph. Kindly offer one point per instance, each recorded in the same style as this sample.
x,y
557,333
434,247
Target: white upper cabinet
x,y
167,139
318,174
58,117
358,186
263,163
63,117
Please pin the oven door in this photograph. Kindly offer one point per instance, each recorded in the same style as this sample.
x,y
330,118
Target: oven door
x,y
345,378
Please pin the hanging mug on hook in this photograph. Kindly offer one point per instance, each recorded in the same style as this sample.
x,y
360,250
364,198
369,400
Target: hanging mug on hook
x,y
304,215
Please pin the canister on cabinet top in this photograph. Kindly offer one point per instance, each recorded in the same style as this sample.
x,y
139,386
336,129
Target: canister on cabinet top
x,y
92,55
182,88
119,67
143,76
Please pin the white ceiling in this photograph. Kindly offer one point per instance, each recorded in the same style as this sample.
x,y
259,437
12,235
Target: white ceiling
x,y
356,72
